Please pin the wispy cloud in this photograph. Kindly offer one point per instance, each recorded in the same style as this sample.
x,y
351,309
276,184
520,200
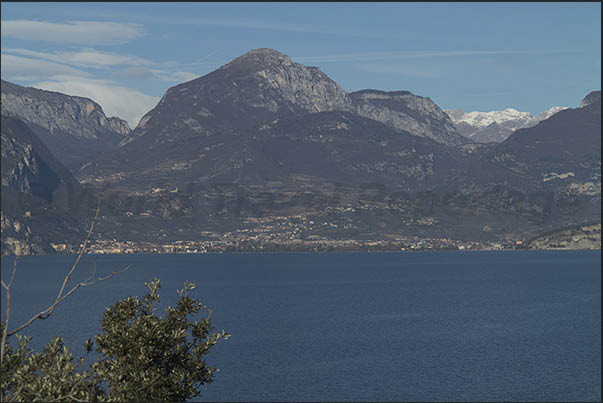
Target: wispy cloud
x,y
26,69
87,58
62,61
72,32
143,73
127,103
115,99
75,73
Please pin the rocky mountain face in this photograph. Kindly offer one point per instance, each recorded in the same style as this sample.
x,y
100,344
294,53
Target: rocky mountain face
x,y
33,183
495,126
27,164
407,112
260,86
75,129
238,100
264,84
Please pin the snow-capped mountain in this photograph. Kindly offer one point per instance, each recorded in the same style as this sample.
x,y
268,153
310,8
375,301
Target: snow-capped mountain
x,y
496,126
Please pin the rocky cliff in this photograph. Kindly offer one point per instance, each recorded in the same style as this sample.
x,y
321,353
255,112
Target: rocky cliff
x,y
405,111
75,129
32,182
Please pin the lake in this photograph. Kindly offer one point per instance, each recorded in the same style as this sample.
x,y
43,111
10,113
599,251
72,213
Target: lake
x,y
407,326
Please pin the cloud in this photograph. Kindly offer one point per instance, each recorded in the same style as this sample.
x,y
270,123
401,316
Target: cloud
x,y
175,76
86,58
143,73
73,32
127,103
57,63
134,73
25,69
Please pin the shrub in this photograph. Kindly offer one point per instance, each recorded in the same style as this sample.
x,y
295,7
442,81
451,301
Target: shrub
x,y
142,357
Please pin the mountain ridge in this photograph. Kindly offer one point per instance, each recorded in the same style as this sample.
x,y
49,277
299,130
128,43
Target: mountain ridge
x,y
260,87
263,138
74,128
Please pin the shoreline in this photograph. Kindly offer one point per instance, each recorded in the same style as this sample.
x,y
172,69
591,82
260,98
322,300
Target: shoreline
x,y
317,252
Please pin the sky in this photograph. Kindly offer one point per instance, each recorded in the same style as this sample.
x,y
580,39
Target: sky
x,y
468,56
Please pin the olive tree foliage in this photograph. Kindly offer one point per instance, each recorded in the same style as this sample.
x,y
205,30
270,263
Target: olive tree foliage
x,y
51,375
140,356
148,358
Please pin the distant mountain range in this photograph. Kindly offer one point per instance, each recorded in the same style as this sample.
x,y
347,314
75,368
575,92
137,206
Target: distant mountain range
x,y
495,126
263,138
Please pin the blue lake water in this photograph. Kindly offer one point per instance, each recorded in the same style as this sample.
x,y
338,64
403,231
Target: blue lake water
x,y
408,326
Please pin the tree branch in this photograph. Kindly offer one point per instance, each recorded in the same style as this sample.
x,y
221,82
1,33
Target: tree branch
x,y
61,296
5,327
79,256
48,311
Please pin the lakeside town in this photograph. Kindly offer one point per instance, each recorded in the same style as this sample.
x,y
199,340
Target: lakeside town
x,y
317,244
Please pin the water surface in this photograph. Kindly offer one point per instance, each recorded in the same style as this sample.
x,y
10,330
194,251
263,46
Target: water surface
x,y
494,326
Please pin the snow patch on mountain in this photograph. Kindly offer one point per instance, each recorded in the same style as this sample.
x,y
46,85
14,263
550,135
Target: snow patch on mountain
x,y
483,119
496,126
547,114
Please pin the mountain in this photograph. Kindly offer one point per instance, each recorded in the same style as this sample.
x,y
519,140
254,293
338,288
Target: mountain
x,y
592,98
569,139
407,112
267,150
232,103
264,84
75,129
27,164
265,128
32,182
495,126
335,147
560,155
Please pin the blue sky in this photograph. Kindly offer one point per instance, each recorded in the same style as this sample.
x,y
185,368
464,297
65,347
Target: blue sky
x,y
469,56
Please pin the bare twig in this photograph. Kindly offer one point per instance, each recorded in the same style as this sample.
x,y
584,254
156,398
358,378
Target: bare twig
x,y
79,256
48,311
62,295
5,328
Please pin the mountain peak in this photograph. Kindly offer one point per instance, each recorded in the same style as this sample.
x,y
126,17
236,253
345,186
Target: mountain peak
x,y
591,98
266,53
260,58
